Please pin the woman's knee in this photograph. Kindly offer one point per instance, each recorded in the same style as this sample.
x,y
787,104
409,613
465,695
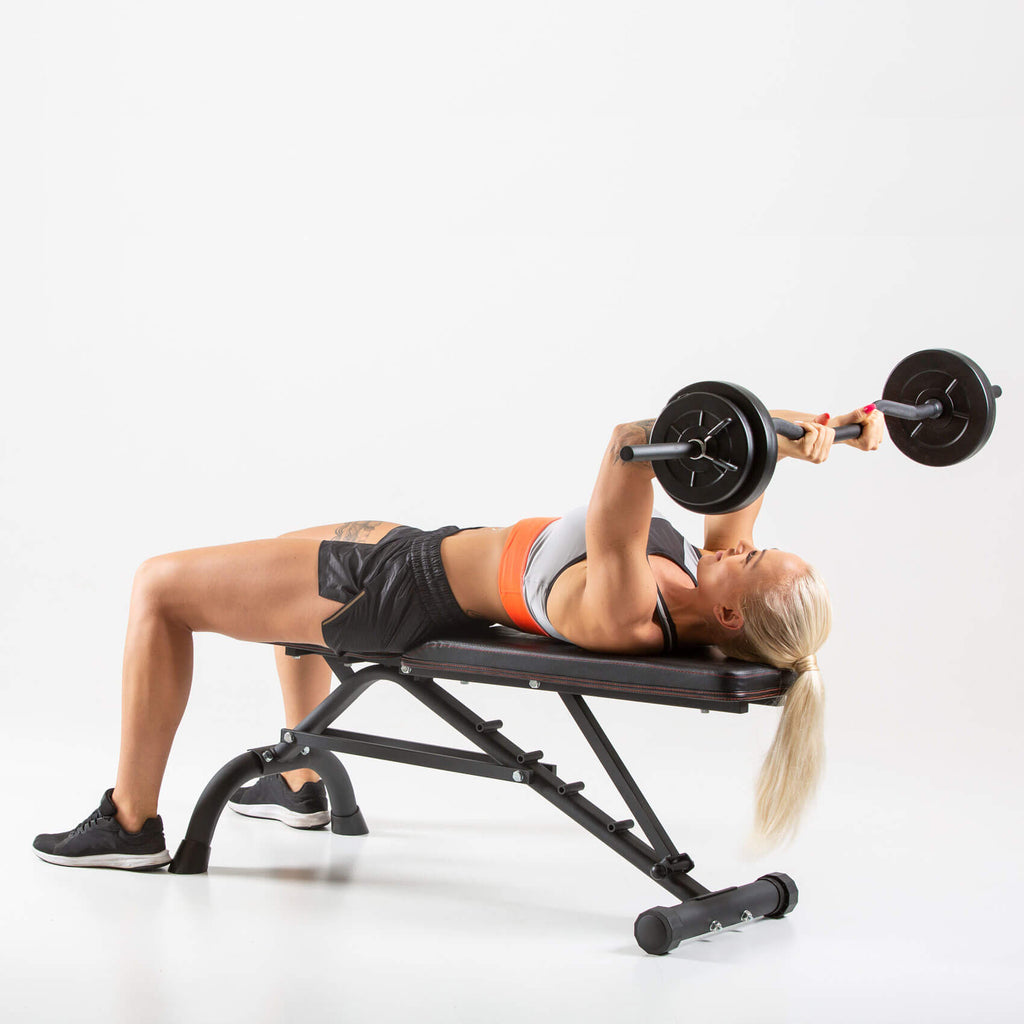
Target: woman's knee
x,y
154,584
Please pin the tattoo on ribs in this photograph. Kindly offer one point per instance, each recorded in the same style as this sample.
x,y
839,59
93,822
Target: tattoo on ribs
x,y
357,532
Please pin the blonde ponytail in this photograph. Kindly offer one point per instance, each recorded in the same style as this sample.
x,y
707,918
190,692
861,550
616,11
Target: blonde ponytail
x,y
784,625
793,765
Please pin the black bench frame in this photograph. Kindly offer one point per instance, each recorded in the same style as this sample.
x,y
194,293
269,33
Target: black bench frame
x,y
312,743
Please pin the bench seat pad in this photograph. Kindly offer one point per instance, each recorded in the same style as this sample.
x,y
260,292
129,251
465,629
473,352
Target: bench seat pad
x,y
693,677
514,658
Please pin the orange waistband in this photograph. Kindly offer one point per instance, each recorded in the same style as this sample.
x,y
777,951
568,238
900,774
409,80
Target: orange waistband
x,y
513,567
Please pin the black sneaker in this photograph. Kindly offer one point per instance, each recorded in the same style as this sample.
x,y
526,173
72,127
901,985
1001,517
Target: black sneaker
x,y
101,842
272,797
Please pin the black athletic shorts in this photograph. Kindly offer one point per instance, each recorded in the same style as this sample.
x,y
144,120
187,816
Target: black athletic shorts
x,y
395,592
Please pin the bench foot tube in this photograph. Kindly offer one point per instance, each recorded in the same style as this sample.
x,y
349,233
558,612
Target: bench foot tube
x,y
660,929
346,818
189,858
193,854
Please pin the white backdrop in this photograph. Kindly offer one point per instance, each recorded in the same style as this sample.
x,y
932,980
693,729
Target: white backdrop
x,y
267,266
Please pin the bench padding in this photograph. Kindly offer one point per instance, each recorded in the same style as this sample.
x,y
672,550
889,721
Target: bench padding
x,y
696,677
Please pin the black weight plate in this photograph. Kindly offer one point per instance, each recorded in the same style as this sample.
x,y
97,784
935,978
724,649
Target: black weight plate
x,y
744,437
969,407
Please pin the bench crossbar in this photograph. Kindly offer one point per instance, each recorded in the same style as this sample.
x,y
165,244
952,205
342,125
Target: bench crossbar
x,y
423,755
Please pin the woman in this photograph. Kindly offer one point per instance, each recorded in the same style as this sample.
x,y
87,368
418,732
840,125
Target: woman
x,y
638,588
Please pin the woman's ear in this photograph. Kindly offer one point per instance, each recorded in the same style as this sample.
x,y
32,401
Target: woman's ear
x,y
729,618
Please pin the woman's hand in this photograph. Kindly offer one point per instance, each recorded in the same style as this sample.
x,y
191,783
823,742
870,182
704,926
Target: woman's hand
x,y
872,431
816,443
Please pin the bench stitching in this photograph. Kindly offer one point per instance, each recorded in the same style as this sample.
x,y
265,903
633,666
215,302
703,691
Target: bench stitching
x,y
598,683
749,673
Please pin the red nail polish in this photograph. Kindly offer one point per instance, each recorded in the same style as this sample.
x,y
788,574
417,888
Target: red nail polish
x,y
869,408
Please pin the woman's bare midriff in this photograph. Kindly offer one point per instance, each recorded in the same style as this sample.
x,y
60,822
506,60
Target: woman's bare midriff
x,y
471,559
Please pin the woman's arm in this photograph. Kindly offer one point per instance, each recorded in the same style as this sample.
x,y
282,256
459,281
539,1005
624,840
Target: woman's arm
x,y
736,528
619,594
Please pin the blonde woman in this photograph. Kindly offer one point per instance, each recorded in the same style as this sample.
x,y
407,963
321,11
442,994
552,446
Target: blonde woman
x,y
613,576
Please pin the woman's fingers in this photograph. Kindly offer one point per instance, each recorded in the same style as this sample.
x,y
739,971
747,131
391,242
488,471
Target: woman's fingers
x,y
820,434
816,443
872,427
873,431
823,445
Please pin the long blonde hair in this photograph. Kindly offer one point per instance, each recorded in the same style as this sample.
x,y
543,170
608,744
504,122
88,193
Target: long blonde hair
x,y
784,625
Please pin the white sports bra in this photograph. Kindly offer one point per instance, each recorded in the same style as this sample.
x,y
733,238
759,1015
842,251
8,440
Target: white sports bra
x,y
564,543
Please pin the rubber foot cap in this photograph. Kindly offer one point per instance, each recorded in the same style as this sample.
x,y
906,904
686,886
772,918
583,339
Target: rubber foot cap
x,y
349,825
653,933
192,858
788,892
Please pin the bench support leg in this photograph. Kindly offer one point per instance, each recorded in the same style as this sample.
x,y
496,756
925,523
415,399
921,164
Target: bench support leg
x,y
313,744
193,854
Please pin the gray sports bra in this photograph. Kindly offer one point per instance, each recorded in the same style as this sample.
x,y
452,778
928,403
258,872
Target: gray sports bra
x,y
564,543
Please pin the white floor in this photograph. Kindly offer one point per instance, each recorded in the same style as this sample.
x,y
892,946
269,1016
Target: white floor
x,y
472,900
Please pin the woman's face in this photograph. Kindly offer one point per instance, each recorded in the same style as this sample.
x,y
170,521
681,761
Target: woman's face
x,y
724,575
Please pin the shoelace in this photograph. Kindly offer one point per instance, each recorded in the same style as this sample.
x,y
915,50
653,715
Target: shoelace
x,y
89,822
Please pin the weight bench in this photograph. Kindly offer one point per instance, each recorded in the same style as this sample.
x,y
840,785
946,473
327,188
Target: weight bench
x,y
700,678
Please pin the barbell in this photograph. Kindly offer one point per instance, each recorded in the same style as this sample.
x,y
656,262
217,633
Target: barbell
x,y
714,445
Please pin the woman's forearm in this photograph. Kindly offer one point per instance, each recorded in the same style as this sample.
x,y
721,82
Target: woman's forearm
x,y
732,528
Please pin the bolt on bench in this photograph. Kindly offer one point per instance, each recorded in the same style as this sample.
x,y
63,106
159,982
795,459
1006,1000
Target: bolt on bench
x,y
702,678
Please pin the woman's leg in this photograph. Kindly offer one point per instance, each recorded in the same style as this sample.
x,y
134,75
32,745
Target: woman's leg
x,y
262,590
306,681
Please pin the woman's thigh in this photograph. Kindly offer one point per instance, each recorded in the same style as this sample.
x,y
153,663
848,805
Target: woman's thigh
x,y
363,531
257,590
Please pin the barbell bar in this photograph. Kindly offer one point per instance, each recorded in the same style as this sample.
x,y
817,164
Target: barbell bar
x,y
653,452
714,445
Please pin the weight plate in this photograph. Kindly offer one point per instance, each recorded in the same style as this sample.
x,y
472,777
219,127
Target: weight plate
x,y
968,402
739,456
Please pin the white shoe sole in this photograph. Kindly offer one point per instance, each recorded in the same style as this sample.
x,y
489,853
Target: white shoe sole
x,y
282,814
109,860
